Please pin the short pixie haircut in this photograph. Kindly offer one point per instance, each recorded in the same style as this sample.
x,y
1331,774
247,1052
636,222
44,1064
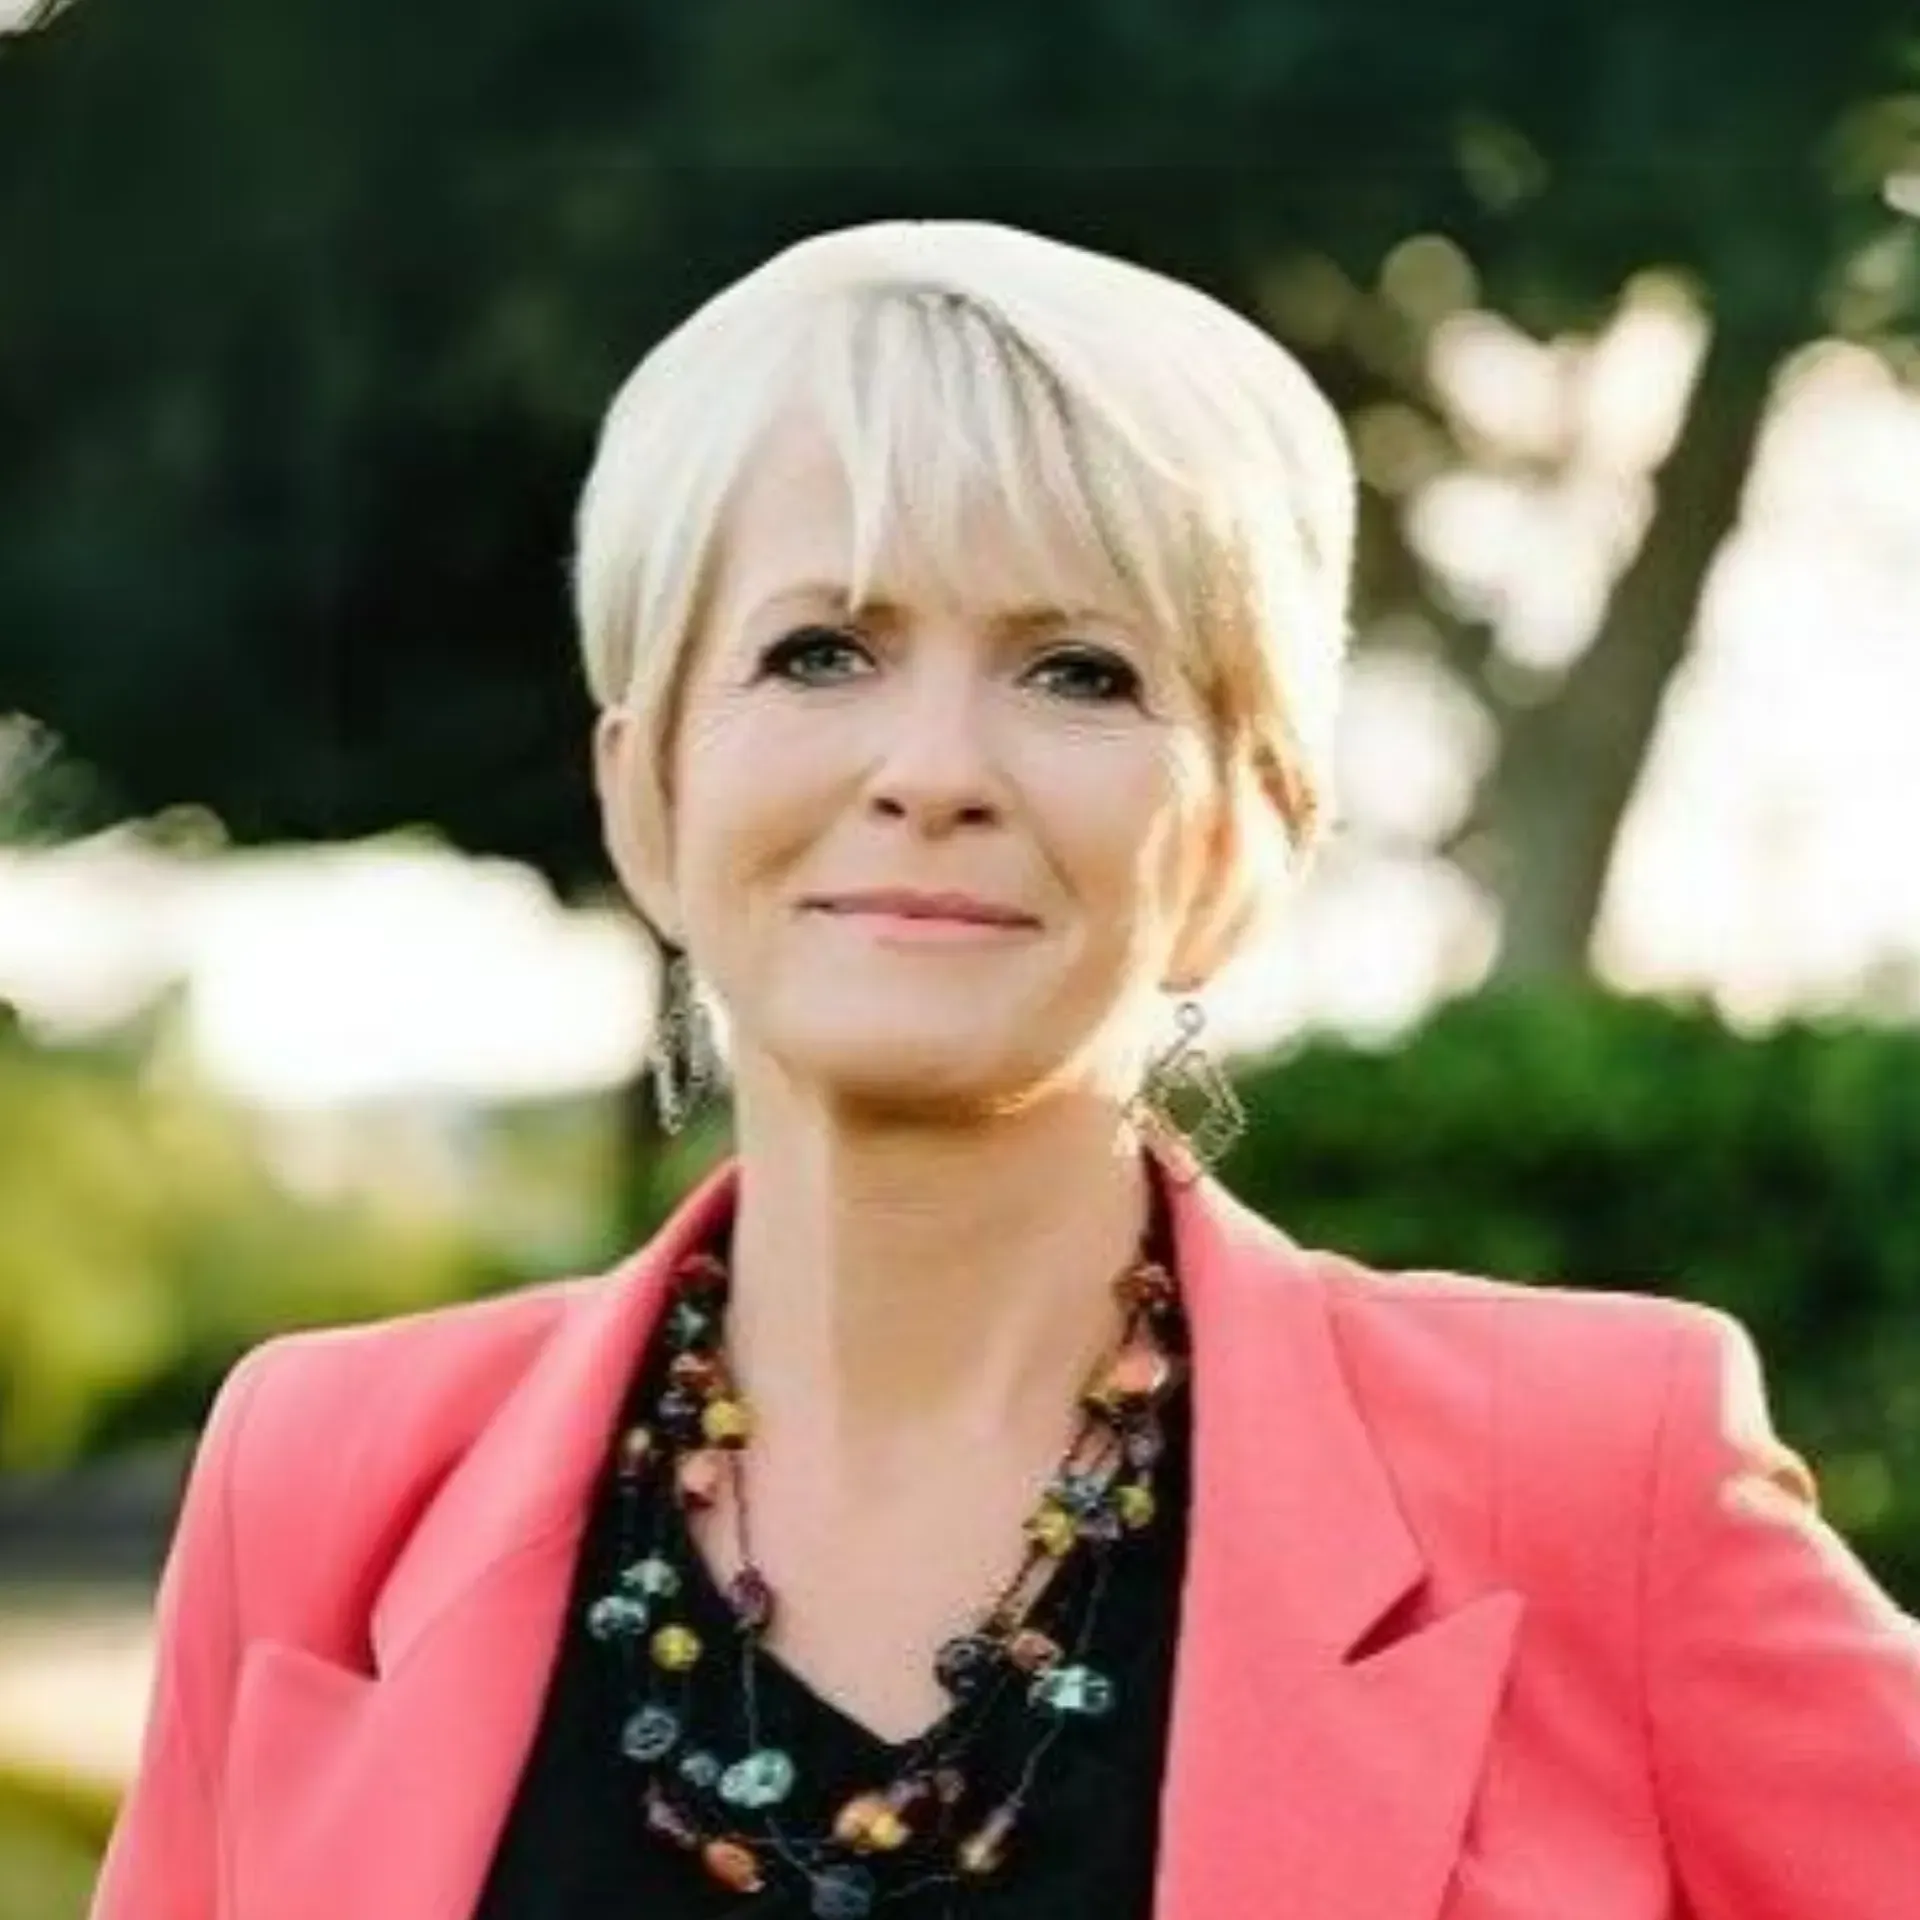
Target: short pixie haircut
x,y
952,361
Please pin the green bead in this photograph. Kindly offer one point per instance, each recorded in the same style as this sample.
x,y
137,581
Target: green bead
x,y
1073,1690
649,1734
759,1780
652,1576
617,1616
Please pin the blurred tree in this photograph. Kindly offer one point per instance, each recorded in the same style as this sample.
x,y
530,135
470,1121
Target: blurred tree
x,y
310,311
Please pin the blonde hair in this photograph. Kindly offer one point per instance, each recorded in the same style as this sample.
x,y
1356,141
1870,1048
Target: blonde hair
x,y
950,358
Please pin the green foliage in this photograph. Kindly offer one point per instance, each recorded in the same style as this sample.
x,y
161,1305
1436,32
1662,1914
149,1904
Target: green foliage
x,y
52,1833
145,1241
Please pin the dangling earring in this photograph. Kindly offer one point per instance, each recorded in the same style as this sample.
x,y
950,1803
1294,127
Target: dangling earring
x,y
1187,1073
684,1055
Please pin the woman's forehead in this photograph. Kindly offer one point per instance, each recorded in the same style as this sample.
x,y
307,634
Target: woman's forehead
x,y
790,533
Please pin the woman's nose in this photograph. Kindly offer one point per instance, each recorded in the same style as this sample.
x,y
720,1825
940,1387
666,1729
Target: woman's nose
x,y
936,765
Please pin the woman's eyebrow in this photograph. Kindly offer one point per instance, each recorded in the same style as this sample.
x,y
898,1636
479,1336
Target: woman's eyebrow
x,y
1023,619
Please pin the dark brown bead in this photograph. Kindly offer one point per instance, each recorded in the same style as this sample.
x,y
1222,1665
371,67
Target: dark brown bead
x,y
696,1372
1149,1286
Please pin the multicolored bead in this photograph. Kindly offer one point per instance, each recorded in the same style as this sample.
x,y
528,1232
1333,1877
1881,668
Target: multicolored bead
x,y
1134,1504
636,1448
653,1577
734,1864
867,1824
676,1648
726,1423
985,1849
1079,1493
1033,1651
687,1325
679,1413
649,1734
762,1779
1076,1689
617,1616
1139,1371
697,1477
1053,1529
696,1372
664,1818
842,1893
1147,1286
751,1599
964,1664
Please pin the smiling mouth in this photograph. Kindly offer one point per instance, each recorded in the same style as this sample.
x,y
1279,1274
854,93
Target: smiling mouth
x,y
950,910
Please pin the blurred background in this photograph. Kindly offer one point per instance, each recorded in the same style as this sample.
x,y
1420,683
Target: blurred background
x,y
319,1004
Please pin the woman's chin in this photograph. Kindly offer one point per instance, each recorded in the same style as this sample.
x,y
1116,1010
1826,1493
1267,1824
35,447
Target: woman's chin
x,y
916,1077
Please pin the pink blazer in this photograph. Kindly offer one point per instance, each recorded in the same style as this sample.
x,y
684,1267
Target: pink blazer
x,y
1503,1603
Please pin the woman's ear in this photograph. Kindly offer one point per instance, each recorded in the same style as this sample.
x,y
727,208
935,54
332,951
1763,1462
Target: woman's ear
x,y
631,829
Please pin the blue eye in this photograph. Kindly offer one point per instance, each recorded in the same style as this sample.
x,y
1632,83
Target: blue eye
x,y
812,656
1091,674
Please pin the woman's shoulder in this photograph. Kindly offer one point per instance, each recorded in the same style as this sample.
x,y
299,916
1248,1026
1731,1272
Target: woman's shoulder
x,y
1472,1306
1542,1358
458,1341
397,1399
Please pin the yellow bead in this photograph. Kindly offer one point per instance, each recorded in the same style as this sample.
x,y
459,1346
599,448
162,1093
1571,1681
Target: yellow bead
x,y
676,1648
1135,1505
854,1822
1053,1527
724,1420
886,1830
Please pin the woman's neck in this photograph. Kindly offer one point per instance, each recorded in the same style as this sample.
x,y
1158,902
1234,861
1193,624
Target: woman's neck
x,y
902,1293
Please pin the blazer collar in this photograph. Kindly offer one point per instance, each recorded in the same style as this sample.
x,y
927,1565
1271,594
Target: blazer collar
x,y
1299,1777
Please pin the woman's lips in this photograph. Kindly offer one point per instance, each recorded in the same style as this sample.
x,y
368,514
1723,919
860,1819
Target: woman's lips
x,y
926,919
952,909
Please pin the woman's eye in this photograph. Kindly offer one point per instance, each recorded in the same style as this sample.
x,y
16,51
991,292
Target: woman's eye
x,y
1088,673
813,656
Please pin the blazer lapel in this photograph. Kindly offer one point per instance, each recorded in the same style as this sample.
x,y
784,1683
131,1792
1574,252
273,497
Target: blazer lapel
x,y
1301,1778
383,1795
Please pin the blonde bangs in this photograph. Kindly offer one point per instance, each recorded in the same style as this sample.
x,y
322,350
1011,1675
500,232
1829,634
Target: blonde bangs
x,y
942,417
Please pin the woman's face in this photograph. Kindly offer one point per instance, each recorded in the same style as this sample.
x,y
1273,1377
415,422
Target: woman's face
x,y
1048,765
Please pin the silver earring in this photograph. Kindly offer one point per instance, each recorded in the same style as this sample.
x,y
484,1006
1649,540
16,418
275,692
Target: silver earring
x,y
1187,1102
684,1056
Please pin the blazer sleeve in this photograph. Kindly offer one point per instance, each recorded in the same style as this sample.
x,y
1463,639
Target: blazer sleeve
x,y
1782,1683
163,1858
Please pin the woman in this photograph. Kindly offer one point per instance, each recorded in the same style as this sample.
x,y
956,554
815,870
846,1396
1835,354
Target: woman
x,y
964,1504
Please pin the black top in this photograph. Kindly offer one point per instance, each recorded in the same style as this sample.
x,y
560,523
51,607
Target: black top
x,y
575,1847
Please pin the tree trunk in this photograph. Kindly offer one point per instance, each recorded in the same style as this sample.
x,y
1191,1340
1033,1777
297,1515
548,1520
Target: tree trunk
x,y
1567,768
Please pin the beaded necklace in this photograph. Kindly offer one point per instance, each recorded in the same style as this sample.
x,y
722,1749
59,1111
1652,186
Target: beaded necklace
x,y
933,1822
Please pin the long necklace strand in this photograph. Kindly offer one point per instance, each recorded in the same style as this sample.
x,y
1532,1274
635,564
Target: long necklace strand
x,y
1101,1493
